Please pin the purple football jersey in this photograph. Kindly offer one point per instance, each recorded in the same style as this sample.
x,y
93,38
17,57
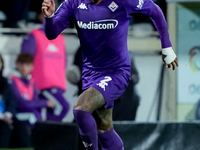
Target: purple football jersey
x,y
102,30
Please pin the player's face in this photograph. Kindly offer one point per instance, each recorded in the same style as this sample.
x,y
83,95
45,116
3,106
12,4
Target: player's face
x,y
25,68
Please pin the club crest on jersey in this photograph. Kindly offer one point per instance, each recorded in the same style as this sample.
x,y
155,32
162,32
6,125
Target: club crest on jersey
x,y
113,6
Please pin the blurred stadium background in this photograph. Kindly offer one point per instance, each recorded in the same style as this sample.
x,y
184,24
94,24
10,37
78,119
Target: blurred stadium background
x,y
167,117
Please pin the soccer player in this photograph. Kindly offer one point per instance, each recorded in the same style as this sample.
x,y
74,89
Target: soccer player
x,y
102,27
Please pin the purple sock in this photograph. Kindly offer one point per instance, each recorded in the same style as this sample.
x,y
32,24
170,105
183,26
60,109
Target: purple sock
x,y
87,129
110,140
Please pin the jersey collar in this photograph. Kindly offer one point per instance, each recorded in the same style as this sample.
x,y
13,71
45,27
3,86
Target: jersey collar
x,y
89,1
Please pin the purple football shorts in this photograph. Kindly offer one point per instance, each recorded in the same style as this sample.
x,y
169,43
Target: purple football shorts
x,y
110,85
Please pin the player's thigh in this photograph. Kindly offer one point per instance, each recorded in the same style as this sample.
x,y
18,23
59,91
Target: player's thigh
x,y
90,100
103,117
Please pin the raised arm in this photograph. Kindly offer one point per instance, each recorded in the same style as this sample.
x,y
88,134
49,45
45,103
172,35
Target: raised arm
x,y
56,21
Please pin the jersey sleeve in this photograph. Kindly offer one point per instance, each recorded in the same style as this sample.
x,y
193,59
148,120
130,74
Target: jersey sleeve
x,y
149,8
62,18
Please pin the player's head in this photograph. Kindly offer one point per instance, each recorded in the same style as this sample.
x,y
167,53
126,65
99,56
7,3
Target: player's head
x,y
24,64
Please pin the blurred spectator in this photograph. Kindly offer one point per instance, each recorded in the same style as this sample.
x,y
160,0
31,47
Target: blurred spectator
x,y
49,69
16,11
12,131
29,104
35,5
20,12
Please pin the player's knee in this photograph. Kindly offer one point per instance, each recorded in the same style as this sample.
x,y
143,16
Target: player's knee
x,y
75,106
90,100
81,105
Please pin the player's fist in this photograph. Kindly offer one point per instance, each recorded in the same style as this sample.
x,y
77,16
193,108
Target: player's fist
x,y
48,7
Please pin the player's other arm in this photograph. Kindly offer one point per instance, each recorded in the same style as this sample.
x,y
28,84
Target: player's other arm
x,y
56,22
168,55
48,9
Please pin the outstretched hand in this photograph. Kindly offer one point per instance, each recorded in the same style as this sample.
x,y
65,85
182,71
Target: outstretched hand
x,y
169,58
174,63
48,7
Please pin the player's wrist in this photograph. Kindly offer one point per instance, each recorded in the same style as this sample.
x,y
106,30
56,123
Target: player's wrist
x,y
49,16
170,55
167,49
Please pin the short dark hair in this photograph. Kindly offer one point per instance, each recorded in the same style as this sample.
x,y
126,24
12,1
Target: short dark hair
x,y
24,58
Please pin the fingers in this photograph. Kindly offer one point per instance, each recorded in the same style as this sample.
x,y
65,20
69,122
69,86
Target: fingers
x,y
176,61
45,6
48,7
174,64
168,66
48,3
52,1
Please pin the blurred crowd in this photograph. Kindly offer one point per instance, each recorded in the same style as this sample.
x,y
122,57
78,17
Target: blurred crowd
x,y
18,13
